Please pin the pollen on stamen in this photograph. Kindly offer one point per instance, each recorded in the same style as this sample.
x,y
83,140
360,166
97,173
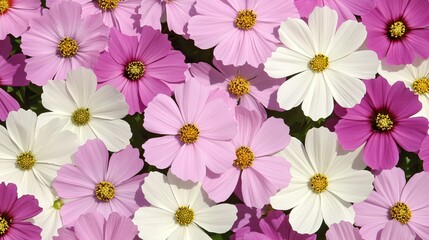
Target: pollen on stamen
x,y
189,133
397,30
25,161
4,6
134,70
318,183
104,191
184,216
400,212
421,85
67,47
4,225
239,86
383,122
245,157
245,20
108,4
319,63
80,117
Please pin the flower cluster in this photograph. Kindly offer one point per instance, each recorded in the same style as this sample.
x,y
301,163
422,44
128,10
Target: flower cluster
x,y
214,119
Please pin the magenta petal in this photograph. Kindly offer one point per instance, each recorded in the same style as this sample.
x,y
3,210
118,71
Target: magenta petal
x,y
8,196
378,92
119,227
352,134
7,104
25,207
410,132
256,236
424,153
23,230
187,165
272,137
381,151
220,186
123,165
155,150
402,102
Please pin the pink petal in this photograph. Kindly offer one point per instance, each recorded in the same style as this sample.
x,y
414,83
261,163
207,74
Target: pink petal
x,y
71,211
410,132
216,121
7,104
381,151
218,156
123,165
256,189
390,184
191,98
119,227
220,187
92,159
72,183
249,122
90,226
276,131
162,116
155,150
276,170
187,165
396,230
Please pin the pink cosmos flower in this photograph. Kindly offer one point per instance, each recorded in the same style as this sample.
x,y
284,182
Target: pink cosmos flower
x,y
346,9
177,12
15,214
276,226
11,74
96,183
424,153
396,210
198,131
343,230
121,14
95,227
382,121
15,15
140,67
62,40
247,220
241,31
398,30
259,173
251,87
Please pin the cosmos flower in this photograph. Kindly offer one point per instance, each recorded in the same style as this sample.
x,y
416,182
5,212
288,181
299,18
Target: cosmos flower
x,y
15,15
343,230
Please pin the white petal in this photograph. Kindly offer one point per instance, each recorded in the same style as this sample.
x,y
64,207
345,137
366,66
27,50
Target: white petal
x,y
108,103
81,84
154,223
351,186
335,210
218,218
322,23
361,64
56,97
348,38
307,217
292,92
8,149
346,90
285,62
29,183
21,126
194,232
297,156
318,102
296,35
49,220
293,195
321,145
115,134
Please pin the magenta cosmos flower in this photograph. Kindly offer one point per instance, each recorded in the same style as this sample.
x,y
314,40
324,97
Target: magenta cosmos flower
x,y
96,183
241,31
346,9
251,87
424,153
177,12
94,226
140,67
276,226
115,13
15,213
11,74
398,30
15,15
396,208
198,132
259,173
382,121
62,40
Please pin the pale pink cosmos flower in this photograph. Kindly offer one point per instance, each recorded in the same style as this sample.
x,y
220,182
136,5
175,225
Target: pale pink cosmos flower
x,y
95,183
15,15
11,74
259,173
197,130
343,230
62,40
121,14
176,12
250,87
241,31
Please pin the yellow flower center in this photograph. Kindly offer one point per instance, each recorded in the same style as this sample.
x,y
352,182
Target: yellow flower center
x,y
400,212
25,160
184,216
4,225
134,70
68,47
189,133
421,85
4,6
104,191
58,204
108,4
318,183
319,63
245,157
383,122
239,86
81,117
245,19
397,29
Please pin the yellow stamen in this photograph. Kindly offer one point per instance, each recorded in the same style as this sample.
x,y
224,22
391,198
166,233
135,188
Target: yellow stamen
x,y
4,225
4,6
134,70
184,216
108,4
383,122
397,29
67,47
319,63
26,160
400,212
239,86
81,117
245,19
421,85
104,191
319,183
189,133
245,157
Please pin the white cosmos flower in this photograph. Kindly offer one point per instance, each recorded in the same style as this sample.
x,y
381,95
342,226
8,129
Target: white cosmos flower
x,y
49,219
31,153
90,113
179,209
326,63
415,76
324,182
